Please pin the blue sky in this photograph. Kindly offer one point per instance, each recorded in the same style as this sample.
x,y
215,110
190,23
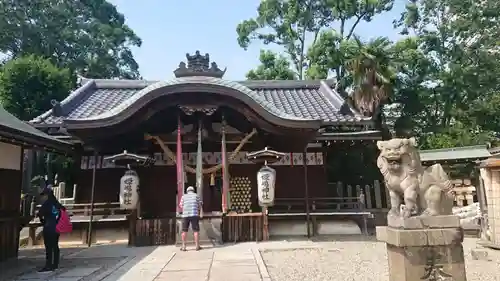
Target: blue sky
x,y
170,29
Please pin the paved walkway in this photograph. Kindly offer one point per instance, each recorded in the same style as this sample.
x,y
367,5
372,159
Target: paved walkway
x,y
218,264
289,260
241,262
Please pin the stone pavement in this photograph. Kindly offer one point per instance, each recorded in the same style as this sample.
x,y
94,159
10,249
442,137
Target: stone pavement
x,y
240,262
211,264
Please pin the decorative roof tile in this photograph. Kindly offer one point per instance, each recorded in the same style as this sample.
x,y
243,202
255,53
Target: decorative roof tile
x,y
296,100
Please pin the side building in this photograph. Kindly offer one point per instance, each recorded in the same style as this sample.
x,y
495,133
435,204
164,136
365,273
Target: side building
x,y
15,137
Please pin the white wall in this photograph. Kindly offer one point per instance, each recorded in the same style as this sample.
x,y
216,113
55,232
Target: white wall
x,y
491,178
10,156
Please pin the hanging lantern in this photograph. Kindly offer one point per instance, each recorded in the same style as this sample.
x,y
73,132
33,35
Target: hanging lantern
x,y
266,179
129,187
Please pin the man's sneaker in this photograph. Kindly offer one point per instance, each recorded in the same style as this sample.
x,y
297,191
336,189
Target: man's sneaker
x,y
45,270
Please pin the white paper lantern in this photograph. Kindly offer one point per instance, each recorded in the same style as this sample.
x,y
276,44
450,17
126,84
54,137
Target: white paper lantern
x,y
266,179
129,186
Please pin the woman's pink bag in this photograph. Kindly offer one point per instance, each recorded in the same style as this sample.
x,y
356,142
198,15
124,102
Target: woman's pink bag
x,y
64,224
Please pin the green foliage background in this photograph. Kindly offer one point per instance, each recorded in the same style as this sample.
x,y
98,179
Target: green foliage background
x,y
442,76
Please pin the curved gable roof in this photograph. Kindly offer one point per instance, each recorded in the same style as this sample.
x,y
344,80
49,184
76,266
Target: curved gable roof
x,y
199,82
291,100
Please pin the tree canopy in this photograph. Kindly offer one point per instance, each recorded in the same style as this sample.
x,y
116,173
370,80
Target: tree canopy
x,y
29,84
292,23
272,67
449,68
88,37
442,77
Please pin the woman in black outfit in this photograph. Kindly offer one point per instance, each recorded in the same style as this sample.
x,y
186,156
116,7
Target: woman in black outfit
x,y
49,214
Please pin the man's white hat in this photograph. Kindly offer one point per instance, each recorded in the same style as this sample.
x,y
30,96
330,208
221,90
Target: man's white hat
x,y
190,189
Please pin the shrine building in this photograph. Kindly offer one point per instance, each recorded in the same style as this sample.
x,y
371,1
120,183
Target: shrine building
x,y
178,130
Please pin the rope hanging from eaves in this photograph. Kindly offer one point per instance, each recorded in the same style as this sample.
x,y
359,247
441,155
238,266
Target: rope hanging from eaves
x,y
211,170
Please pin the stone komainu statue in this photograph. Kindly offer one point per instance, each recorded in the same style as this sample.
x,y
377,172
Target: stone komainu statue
x,y
413,189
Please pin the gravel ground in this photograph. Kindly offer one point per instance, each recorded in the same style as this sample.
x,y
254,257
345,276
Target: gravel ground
x,y
357,261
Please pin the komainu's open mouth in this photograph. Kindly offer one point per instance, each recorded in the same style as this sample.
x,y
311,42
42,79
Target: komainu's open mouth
x,y
393,160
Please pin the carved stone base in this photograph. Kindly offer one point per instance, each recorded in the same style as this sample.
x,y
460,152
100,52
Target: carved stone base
x,y
423,222
424,248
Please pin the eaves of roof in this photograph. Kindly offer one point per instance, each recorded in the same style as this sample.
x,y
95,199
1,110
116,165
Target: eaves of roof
x,y
314,100
16,131
476,152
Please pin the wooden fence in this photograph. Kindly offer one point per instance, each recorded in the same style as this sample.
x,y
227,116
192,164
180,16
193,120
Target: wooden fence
x,y
375,195
151,232
242,227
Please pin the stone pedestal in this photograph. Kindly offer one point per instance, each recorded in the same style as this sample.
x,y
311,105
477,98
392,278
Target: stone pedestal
x,y
424,248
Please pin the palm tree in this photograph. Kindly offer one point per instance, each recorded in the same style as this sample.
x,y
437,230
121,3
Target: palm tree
x,y
372,75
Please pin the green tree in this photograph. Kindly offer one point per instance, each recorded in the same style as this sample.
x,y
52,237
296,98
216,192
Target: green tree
x,y
29,84
88,37
372,75
448,79
272,67
294,24
328,55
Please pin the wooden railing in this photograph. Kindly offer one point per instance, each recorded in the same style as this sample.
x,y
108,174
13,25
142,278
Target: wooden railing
x,y
337,204
323,207
289,205
376,195
101,212
296,206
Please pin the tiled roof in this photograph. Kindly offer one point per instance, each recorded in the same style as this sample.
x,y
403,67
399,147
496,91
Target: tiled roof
x,y
456,153
494,150
24,132
297,100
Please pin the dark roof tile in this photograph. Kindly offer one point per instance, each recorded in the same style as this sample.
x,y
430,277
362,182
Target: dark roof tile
x,y
300,99
21,130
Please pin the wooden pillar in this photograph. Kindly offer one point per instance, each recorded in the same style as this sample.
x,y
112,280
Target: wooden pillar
x,y
22,204
77,172
306,189
31,170
89,233
483,203
132,233
265,223
324,152
20,212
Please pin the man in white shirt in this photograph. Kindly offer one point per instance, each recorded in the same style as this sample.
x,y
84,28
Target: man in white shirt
x,y
191,207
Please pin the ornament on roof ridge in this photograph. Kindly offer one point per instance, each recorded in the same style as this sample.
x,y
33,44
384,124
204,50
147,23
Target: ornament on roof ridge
x,y
198,65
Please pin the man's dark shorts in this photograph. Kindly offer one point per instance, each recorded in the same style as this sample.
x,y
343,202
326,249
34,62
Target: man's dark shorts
x,y
193,221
